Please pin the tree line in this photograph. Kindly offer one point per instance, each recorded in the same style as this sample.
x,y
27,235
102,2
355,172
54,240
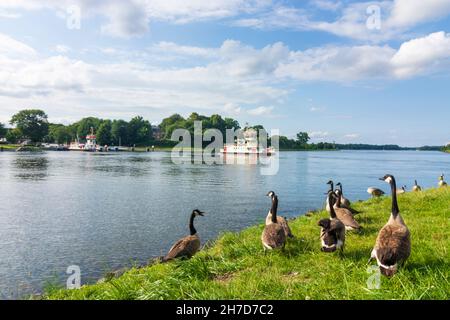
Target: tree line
x,y
33,124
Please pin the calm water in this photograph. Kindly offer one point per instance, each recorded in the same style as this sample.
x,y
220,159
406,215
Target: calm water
x,y
103,212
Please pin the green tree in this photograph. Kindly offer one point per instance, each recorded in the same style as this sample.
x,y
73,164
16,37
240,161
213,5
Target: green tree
x,y
2,130
140,131
119,132
58,133
32,124
104,136
13,135
302,138
83,127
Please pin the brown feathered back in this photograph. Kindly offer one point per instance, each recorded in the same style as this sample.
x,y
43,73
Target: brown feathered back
x,y
347,218
184,248
273,236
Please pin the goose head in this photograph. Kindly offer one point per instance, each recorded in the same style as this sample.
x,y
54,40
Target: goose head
x,y
324,223
197,212
388,178
270,194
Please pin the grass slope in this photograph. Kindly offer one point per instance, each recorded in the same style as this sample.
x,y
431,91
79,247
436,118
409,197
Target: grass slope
x,y
234,266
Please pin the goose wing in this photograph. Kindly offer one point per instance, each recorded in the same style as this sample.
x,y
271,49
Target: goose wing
x,y
393,244
347,219
284,224
185,247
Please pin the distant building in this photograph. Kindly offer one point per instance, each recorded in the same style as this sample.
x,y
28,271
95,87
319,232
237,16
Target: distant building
x,y
157,133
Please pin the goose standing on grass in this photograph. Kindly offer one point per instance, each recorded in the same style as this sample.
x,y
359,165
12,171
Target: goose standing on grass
x,y
416,187
331,184
442,182
393,244
281,220
187,246
340,203
332,234
345,215
273,236
375,192
345,203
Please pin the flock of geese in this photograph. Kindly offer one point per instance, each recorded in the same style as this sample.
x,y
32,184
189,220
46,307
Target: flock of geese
x,y
392,247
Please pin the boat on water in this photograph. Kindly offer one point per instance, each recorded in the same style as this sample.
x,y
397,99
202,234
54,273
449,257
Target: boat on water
x,y
247,144
89,146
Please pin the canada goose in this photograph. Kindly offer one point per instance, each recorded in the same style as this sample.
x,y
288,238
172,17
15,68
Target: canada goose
x,y
393,244
331,183
375,192
281,220
339,203
402,190
273,236
345,203
345,215
332,234
416,187
442,183
187,246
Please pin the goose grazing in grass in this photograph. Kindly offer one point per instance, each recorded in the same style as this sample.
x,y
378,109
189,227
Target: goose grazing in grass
x,y
187,246
402,190
281,220
331,184
416,187
393,244
345,215
442,182
273,236
375,192
332,234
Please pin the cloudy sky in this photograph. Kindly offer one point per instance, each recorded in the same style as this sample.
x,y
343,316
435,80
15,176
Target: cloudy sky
x,y
348,71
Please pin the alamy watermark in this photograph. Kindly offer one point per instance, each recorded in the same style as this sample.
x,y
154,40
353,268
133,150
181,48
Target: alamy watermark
x,y
248,146
373,22
74,280
73,17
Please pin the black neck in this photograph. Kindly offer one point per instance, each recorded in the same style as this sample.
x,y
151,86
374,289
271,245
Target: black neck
x,y
395,209
274,209
191,225
338,200
332,187
340,188
331,202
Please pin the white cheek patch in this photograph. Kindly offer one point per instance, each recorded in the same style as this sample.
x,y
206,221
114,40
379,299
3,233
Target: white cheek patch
x,y
388,180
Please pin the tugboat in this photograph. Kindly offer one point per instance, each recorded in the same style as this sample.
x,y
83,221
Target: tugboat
x,y
89,146
248,144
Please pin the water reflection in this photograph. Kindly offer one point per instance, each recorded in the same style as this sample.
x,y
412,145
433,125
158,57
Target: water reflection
x,y
31,167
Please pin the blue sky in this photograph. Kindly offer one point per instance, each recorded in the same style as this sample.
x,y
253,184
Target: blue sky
x,y
345,71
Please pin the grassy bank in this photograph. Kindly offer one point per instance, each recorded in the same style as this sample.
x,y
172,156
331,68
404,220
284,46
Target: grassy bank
x,y
234,266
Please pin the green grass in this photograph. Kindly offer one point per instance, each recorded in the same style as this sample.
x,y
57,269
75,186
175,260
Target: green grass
x,y
235,267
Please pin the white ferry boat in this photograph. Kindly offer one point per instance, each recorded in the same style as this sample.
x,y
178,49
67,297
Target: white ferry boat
x,y
90,145
248,144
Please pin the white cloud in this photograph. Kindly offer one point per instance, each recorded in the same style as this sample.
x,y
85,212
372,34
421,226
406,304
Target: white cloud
x,y
60,48
132,18
319,135
326,4
234,77
12,47
352,136
421,55
260,111
397,17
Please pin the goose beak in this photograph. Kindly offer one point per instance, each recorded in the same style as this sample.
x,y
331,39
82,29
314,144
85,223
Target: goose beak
x,y
202,213
381,179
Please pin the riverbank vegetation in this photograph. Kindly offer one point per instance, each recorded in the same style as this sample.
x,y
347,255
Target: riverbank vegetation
x,y
235,267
